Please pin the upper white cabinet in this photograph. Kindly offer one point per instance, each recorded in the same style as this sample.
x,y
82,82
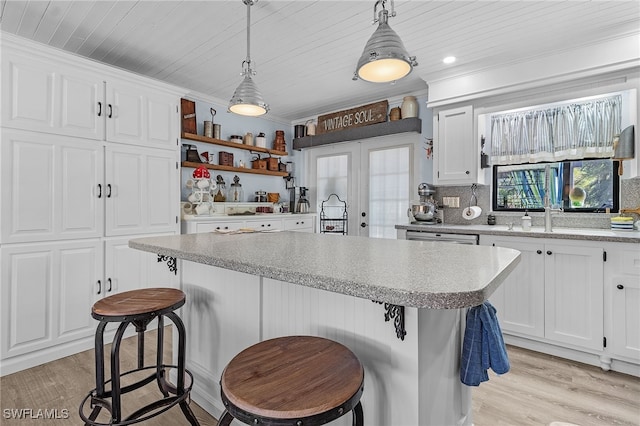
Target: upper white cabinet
x,y
455,152
40,94
138,116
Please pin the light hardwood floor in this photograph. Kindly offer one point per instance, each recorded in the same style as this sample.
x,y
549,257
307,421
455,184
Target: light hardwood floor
x,y
538,390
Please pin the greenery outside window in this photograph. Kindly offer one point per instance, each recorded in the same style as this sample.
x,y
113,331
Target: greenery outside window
x,y
575,186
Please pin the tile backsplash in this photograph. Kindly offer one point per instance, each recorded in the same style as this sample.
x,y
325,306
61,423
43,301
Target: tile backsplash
x,y
629,198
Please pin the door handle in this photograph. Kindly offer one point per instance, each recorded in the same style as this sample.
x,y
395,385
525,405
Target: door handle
x,y
99,287
110,287
110,111
99,109
108,190
99,190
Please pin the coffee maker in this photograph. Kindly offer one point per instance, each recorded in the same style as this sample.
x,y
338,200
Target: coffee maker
x,y
302,206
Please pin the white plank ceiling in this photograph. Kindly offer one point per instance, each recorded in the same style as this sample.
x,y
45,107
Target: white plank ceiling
x,y
305,51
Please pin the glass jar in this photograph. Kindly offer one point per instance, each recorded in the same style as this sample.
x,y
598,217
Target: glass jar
x,y
235,193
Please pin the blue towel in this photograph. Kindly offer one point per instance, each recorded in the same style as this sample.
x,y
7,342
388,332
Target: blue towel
x,y
483,346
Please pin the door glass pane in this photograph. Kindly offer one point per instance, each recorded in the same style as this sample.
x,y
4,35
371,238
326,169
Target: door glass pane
x,y
389,197
332,177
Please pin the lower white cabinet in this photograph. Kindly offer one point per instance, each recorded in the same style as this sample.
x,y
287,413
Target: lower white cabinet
x,y
48,289
293,222
556,292
47,292
577,299
622,302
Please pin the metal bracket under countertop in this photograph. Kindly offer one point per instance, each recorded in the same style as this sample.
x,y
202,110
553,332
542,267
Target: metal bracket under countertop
x,y
397,313
171,263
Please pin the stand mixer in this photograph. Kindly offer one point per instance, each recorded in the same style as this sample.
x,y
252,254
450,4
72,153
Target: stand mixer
x,y
424,211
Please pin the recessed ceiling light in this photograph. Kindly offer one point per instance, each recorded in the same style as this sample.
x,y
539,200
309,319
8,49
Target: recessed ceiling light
x,y
449,59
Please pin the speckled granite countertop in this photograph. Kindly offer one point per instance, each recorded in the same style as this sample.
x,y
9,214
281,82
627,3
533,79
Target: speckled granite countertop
x,y
408,273
590,234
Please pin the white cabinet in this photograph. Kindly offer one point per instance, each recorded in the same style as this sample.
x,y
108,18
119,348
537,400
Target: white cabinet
x,y
293,222
520,299
47,292
455,151
129,269
52,187
300,224
138,116
622,293
141,190
88,152
557,293
43,94
573,277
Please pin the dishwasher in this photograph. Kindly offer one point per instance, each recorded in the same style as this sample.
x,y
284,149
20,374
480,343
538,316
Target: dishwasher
x,y
442,237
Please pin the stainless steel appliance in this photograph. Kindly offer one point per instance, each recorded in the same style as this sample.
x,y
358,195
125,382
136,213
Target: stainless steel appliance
x,y
425,210
417,235
302,206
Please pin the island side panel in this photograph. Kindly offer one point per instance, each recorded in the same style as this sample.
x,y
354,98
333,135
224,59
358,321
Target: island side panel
x,y
407,382
222,317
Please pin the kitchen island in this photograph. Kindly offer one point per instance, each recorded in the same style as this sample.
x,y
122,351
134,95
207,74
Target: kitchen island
x,y
244,288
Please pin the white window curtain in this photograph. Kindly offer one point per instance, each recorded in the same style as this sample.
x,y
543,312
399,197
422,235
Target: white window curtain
x,y
567,132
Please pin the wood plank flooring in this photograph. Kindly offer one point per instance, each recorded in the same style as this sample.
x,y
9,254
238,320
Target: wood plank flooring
x,y
538,390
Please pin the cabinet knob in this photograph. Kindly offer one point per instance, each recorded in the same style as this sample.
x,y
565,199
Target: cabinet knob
x,y
363,214
217,227
262,225
363,225
539,251
619,286
467,172
549,252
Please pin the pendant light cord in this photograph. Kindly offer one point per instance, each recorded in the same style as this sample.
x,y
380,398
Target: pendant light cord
x,y
248,60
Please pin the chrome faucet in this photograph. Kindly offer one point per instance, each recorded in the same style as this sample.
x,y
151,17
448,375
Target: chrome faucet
x,y
547,201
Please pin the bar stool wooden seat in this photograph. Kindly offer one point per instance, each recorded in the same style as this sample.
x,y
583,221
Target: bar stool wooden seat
x,y
138,307
294,380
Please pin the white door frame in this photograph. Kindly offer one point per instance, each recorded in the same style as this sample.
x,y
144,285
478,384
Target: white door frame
x,y
358,159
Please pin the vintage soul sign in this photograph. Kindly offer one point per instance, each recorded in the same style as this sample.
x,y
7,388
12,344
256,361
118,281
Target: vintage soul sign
x,y
351,118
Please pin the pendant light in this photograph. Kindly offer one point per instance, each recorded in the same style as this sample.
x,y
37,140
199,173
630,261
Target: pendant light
x,y
247,99
384,58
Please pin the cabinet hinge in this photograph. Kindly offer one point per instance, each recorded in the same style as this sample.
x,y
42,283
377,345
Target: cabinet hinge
x,y
176,219
604,256
177,110
604,342
177,165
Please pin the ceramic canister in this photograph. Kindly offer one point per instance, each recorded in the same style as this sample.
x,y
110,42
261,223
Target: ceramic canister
x,y
409,107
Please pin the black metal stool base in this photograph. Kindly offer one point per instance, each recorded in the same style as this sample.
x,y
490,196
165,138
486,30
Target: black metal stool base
x,y
148,411
110,400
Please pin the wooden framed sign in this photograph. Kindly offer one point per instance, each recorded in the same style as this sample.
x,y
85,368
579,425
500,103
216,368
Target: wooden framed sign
x,y
188,109
352,118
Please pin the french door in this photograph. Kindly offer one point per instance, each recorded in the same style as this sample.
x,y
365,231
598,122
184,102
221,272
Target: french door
x,y
375,177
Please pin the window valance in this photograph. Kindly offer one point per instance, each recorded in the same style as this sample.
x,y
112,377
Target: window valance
x,y
567,132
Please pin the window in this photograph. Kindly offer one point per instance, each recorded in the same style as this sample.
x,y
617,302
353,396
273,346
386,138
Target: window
x,y
576,186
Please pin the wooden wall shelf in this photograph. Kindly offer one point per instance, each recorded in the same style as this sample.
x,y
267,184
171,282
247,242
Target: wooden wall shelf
x,y
380,129
252,148
235,169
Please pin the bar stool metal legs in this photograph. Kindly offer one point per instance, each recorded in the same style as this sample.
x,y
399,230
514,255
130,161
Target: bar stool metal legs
x,y
111,399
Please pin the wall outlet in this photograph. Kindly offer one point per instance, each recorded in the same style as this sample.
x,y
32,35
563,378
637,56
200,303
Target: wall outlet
x,y
451,201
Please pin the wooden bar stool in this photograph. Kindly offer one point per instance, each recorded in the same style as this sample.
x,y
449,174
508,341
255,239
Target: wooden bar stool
x,y
138,307
295,380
